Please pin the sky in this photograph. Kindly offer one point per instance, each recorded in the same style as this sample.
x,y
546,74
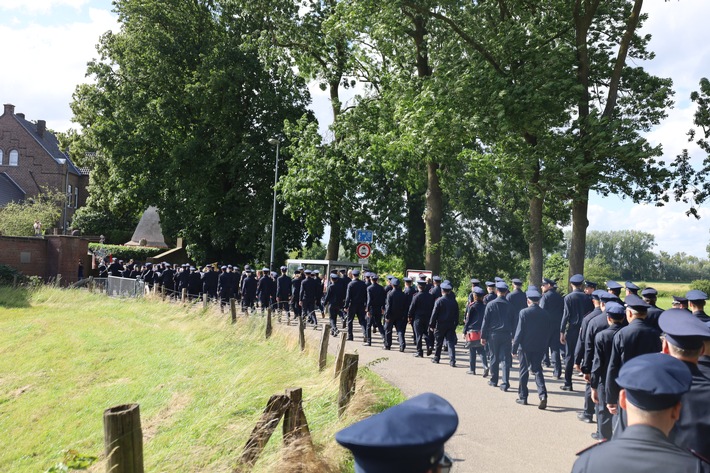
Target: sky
x,y
46,45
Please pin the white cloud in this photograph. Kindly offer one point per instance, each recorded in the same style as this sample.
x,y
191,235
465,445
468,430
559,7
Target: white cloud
x,y
47,63
40,6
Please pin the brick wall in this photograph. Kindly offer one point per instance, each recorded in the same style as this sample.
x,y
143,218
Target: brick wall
x,y
46,257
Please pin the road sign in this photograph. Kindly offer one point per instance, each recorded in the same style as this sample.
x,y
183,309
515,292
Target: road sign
x,y
364,236
363,250
363,261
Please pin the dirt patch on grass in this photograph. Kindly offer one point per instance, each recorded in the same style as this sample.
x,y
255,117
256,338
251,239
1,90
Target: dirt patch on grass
x,y
166,415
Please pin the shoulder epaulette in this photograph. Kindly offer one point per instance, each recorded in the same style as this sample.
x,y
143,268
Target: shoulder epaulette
x,y
697,455
590,447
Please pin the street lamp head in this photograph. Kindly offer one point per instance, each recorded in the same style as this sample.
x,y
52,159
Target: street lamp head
x,y
274,141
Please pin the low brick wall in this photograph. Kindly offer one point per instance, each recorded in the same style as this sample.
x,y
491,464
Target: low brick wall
x,y
47,256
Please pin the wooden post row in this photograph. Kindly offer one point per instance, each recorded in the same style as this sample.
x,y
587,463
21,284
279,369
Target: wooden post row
x,y
323,354
184,295
341,353
301,333
233,309
347,381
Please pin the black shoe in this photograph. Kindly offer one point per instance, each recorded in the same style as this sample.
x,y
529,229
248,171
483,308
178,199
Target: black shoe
x,y
367,344
543,403
387,348
522,402
485,372
435,360
350,338
597,437
471,372
557,375
491,383
401,348
566,387
419,355
343,324
547,365
452,364
504,388
584,418
428,351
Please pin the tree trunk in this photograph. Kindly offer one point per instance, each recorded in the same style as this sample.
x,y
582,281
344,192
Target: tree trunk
x,y
416,231
535,243
579,233
334,240
434,208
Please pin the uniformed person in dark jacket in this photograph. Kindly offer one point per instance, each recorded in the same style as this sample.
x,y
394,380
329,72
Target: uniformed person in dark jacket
x,y
436,289
576,305
696,304
614,316
343,280
631,288
491,289
309,297
652,388
518,300
396,315
264,288
636,339
283,293
248,291
298,278
472,323
209,282
684,338
355,299
497,332
530,344
588,412
225,285
375,309
650,295
443,322
614,288
553,303
194,283
419,315
333,300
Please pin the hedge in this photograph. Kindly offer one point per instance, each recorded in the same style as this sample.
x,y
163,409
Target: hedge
x,y
137,253
702,285
8,273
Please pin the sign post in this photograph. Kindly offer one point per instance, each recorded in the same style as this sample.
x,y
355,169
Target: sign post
x,y
364,240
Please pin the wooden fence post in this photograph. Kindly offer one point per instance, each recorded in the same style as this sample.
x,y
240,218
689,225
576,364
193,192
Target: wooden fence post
x,y
233,308
204,300
301,333
184,295
14,281
58,280
162,292
91,284
341,353
347,381
269,328
123,439
295,424
275,408
323,355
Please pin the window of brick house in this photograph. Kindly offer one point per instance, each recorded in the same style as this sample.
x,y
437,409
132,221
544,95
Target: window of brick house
x,y
14,157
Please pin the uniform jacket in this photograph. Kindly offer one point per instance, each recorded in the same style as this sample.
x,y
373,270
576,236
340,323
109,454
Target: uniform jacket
x,y
445,315
474,316
576,305
602,354
692,431
497,319
283,287
421,307
356,295
533,330
579,348
376,295
396,305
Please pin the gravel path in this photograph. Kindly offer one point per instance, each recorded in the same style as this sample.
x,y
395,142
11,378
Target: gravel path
x,y
495,434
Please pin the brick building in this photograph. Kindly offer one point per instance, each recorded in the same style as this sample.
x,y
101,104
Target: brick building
x,y
46,257
30,159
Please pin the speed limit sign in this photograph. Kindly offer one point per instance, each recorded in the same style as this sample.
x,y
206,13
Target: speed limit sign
x,y
363,250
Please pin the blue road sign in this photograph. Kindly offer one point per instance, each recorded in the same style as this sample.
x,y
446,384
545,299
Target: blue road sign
x,y
364,236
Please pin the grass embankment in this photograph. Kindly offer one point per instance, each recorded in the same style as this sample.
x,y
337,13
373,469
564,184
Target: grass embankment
x,y
66,355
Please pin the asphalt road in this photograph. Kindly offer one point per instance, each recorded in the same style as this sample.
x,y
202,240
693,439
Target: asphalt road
x,y
495,434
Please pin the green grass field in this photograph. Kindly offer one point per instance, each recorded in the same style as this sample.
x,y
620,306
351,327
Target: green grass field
x,y
66,355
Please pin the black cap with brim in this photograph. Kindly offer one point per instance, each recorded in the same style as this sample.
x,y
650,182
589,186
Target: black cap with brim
x,y
682,329
654,381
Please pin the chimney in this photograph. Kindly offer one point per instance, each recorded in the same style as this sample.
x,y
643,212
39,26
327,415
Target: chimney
x,y
21,115
9,109
41,127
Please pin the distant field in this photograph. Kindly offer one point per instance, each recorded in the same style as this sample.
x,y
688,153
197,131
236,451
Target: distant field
x,y
201,383
665,291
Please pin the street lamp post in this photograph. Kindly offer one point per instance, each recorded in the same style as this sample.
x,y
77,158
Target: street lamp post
x,y
277,142
63,162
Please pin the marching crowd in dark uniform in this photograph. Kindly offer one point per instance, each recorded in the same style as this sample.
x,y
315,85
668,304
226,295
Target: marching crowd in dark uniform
x,y
589,332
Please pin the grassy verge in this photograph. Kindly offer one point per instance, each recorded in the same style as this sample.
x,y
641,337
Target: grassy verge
x,y
66,355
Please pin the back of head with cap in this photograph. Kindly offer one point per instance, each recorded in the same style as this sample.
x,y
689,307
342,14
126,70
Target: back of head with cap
x,y
654,381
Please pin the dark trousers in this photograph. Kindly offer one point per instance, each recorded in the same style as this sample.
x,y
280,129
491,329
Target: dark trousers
x,y
421,333
224,297
604,417
401,327
554,358
247,303
531,362
360,313
264,302
309,311
282,305
570,344
448,335
296,309
376,322
501,352
480,350
588,403
333,312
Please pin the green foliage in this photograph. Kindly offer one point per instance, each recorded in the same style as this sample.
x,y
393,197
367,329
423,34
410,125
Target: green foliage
x,y
17,218
628,253
73,460
597,269
702,285
137,253
117,229
8,274
556,269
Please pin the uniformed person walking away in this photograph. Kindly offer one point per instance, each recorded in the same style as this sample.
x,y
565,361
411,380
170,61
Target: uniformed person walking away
x,y
553,303
333,300
653,385
650,295
444,319
283,293
355,299
265,288
696,304
684,338
637,338
375,309
529,344
396,315
518,300
496,331
406,438
472,323
419,314
248,291
614,317
576,305
309,297
224,286
588,411
296,281
491,289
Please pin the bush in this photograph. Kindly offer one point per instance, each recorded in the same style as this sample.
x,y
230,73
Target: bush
x,y
18,218
137,253
7,275
702,285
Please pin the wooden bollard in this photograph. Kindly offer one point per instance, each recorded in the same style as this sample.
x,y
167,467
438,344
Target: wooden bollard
x,y
162,292
233,309
58,280
275,408
123,439
341,354
91,284
269,328
347,381
14,281
294,424
204,301
184,295
323,355
301,334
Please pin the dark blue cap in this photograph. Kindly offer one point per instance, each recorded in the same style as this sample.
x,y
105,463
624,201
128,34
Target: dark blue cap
x,y
548,281
422,276
654,381
533,294
608,297
308,271
373,276
613,285
446,286
265,269
634,301
501,286
696,295
631,286
394,281
475,281
389,276
615,310
498,279
223,267
591,284
421,282
517,281
577,279
598,294
649,291
680,299
479,291
300,268
356,272
490,283
533,288
334,276
283,268
683,329
407,279
406,438
436,278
